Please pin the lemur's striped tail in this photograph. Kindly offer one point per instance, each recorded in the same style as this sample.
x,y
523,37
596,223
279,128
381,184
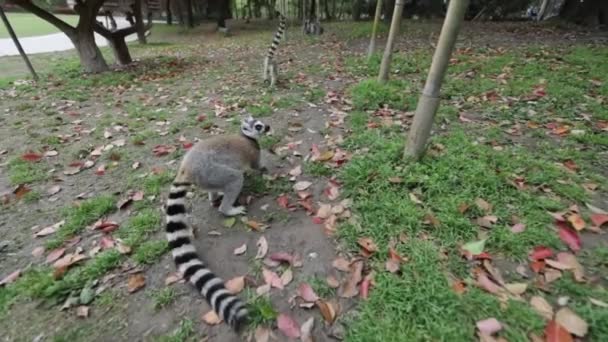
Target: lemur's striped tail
x,y
228,307
277,36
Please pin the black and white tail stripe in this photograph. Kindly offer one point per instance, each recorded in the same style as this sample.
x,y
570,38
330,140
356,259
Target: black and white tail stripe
x,y
228,307
277,36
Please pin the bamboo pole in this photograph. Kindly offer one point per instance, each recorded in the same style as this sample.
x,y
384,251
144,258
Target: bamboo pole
x,y
372,41
429,100
388,50
11,32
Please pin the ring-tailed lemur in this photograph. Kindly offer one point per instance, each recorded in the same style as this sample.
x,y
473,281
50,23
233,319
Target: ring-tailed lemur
x,y
217,165
271,68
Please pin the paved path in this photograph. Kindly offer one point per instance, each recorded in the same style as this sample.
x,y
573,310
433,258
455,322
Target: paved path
x,y
54,42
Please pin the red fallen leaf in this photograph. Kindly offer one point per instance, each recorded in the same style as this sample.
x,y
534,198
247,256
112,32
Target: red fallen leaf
x,y
10,278
21,190
459,287
570,237
317,220
105,226
201,118
68,260
292,259
556,333
540,253
162,150
537,266
31,156
485,283
570,164
187,145
288,326
101,170
272,279
106,242
307,293
599,219
55,254
365,285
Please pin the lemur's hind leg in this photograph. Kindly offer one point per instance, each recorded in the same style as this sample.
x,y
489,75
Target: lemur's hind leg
x,y
232,190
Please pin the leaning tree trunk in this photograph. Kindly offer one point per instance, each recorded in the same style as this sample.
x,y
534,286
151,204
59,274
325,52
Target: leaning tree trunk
x,y
372,41
139,22
388,50
120,49
90,56
429,100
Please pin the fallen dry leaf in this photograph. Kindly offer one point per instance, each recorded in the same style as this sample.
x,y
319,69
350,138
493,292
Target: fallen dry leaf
x,y
68,260
571,322
306,292
485,283
261,334
211,318
577,222
262,248
599,219
38,251
350,287
302,185
31,156
328,310
540,253
366,284
287,277
483,205
241,249
55,254
598,302
489,326
556,333
272,279
288,326
10,278
236,284
570,238
50,229
368,245
135,282
487,221
82,311
542,307
332,281
516,288
172,278
341,264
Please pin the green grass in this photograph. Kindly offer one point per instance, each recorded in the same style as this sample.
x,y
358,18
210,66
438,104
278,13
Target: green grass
x,y
28,25
135,231
370,94
150,252
183,333
22,172
261,310
78,216
163,297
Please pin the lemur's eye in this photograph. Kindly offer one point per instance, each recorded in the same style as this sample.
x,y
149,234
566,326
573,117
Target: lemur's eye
x,y
259,127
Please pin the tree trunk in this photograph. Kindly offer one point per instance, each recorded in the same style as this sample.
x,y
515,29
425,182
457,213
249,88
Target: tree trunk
x,y
372,41
169,13
388,50
90,56
120,49
429,100
357,4
190,14
389,8
139,22
541,11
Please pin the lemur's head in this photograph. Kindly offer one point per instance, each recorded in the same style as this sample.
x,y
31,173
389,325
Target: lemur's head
x,y
253,128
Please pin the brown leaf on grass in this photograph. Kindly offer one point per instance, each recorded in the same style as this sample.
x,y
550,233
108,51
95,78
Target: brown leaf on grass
x,y
571,322
306,292
162,150
105,226
350,288
288,326
68,260
485,283
494,272
257,226
459,287
341,264
332,281
31,157
287,277
302,185
262,248
368,245
21,190
540,253
487,221
556,333
483,205
135,282
261,334
54,255
332,191
235,285
211,318
394,260
366,284
10,278
570,260
516,288
415,199
552,275
542,307
324,210
329,310
570,237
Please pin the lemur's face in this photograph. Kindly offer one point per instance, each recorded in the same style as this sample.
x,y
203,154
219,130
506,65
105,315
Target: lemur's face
x,y
254,128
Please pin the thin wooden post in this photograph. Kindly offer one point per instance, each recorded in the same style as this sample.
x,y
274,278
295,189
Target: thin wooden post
x,y
11,32
388,50
429,100
372,42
